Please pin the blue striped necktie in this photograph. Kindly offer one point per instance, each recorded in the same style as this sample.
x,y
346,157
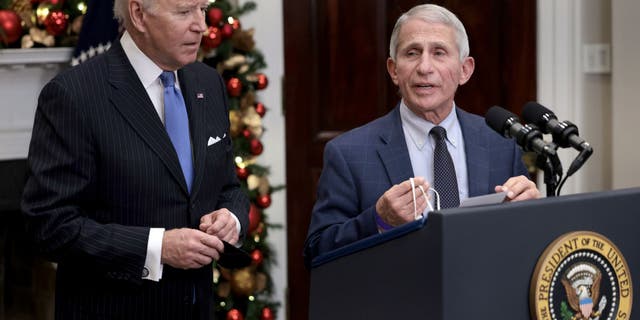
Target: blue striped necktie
x,y
444,172
177,124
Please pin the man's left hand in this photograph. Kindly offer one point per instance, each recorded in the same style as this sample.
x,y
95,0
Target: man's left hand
x,y
519,188
221,224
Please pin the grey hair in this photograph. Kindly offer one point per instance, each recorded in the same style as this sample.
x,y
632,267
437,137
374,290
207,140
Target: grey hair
x,y
121,10
432,13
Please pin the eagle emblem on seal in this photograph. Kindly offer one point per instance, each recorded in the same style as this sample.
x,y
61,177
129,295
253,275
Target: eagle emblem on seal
x,y
582,286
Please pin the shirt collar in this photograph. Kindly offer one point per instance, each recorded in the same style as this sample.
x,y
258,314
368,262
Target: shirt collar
x,y
145,68
418,128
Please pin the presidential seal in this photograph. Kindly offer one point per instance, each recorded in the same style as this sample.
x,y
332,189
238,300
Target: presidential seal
x,y
581,276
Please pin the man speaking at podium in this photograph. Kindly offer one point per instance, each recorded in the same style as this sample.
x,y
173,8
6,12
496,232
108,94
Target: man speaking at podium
x,y
366,185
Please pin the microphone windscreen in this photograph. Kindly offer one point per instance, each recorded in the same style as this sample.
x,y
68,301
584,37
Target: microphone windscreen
x,y
496,117
533,112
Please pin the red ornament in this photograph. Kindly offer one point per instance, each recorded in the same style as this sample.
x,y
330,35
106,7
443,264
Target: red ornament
x,y
212,38
260,109
263,201
266,314
234,314
262,81
10,25
256,147
242,173
235,24
215,15
256,257
254,218
246,133
56,22
227,30
234,87
56,2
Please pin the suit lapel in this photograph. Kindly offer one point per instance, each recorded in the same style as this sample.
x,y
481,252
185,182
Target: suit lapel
x,y
194,100
130,98
476,149
393,152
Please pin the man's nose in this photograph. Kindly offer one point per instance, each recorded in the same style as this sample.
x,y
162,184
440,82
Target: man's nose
x,y
426,64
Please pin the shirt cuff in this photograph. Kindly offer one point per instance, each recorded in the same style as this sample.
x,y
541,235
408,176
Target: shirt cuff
x,y
152,265
238,228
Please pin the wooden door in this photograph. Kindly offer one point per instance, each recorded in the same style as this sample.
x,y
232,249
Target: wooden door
x,y
336,80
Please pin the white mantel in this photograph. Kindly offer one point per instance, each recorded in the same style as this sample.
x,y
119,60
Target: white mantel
x,y
23,73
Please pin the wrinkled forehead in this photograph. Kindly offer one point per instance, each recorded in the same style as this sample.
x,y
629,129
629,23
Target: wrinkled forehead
x,y
419,32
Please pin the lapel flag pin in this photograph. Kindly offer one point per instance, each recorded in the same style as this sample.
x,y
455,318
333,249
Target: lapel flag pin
x,y
200,95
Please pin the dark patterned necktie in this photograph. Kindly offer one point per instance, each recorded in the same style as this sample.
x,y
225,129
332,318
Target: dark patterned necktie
x,y
177,124
444,172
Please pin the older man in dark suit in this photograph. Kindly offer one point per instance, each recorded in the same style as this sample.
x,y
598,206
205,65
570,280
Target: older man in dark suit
x,y
132,188
367,183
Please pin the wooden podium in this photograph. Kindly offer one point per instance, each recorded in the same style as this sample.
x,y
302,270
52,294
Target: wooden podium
x,y
466,263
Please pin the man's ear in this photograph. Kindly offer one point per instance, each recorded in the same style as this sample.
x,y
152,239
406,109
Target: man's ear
x,y
391,68
468,65
136,15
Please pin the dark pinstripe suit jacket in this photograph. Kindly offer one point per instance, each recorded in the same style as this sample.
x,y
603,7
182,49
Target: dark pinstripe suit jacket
x,y
103,171
360,165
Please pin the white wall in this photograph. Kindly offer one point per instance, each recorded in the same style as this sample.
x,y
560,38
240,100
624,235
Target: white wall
x,y
269,37
625,92
600,104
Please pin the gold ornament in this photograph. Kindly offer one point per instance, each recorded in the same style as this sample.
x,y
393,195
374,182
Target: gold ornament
x,y
24,9
252,77
251,118
263,186
42,36
256,131
247,100
243,69
243,40
236,123
225,273
42,12
253,182
76,25
234,61
243,281
26,42
224,289
261,282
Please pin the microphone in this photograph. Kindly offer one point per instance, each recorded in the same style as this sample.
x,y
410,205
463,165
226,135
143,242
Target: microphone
x,y
565,133
508,125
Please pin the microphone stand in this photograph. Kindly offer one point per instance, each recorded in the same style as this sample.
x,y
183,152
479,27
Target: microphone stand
x,y
552,168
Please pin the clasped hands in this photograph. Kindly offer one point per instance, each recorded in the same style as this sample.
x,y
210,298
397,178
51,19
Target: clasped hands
x,y
187,248
396,205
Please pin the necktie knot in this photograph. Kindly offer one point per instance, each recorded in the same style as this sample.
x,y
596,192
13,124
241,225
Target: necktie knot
x,y
439,133
168,79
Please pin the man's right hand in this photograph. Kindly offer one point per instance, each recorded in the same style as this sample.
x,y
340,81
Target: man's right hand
x,y
189,248
395,206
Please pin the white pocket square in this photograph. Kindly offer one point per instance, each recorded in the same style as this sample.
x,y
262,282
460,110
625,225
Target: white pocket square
x,y
215,140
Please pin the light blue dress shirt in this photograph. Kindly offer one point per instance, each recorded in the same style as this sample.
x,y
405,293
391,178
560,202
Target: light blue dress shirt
x,y
421,145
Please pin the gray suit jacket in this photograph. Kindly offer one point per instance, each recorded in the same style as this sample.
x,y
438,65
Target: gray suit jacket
x,y
360,165
103,171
